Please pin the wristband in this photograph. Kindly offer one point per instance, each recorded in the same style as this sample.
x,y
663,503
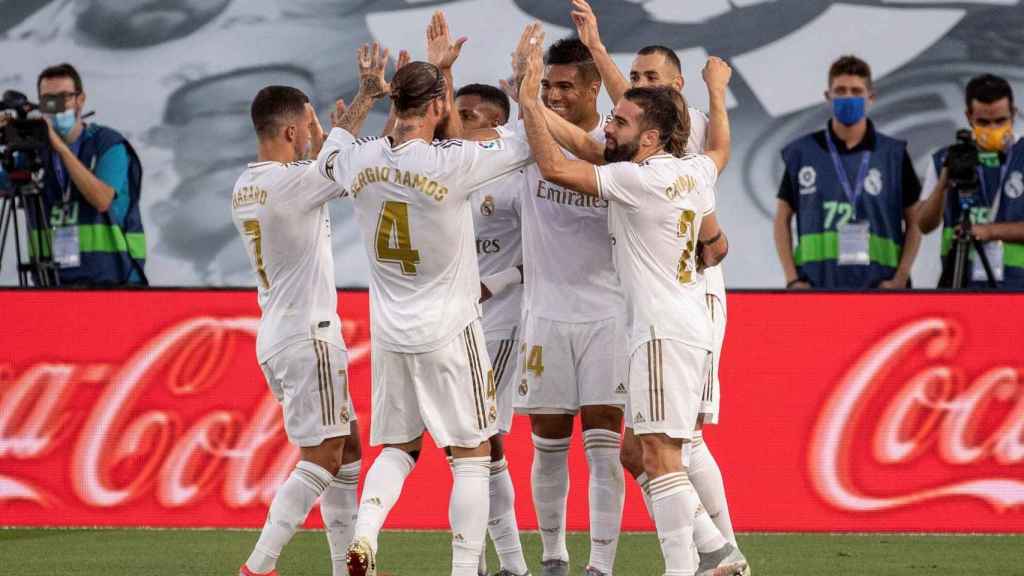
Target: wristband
x,y
497,283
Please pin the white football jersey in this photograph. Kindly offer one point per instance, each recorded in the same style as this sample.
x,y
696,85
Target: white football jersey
x,y
497,210
569,274
280,212
412,202
657,208
695,145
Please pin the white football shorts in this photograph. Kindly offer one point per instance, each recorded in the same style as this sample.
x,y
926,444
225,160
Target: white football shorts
x,y
310,380
449,392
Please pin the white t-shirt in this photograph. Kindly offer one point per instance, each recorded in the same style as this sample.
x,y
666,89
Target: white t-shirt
x,y
280,212
568,268
695,145
497,210
657,208
413,206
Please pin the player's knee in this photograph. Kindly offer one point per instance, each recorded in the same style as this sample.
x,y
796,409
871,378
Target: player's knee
x,y
601,417
353,447
551,426
497,448
661,455
631,457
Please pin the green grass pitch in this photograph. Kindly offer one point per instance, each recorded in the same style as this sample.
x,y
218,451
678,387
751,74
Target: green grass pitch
x,y
220,552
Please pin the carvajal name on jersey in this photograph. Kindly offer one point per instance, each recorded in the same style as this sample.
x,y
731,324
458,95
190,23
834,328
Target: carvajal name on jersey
x,y
559,195
405,178
247,195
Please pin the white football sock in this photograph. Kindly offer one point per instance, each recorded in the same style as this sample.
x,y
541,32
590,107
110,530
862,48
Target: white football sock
x,y
607,494
706,477
288,510
381,489
468,511
550,480
502,524
338,507
706,535
643,482
674,501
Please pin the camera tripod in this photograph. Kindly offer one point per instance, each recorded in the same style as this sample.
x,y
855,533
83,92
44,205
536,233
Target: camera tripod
x,y
962,244
38,266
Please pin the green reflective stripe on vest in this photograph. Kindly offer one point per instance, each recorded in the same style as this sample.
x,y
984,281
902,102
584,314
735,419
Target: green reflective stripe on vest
x,y
100,238
1013,255
820,247
947,241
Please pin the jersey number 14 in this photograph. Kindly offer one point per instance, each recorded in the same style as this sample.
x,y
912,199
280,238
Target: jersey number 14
x,y
394,241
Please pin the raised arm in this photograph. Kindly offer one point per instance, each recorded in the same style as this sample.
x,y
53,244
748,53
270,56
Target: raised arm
x,y
577,175
716,75
713,244
586,26
389,125
443,53
372,62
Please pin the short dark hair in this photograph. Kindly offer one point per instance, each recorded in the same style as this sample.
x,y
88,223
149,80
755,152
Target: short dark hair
x,y
988,89
664,110
414,86
63,70
275,104
490,94
849,65
572,52
668,53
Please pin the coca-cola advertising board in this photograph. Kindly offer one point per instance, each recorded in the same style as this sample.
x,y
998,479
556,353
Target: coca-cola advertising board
x,y
840,412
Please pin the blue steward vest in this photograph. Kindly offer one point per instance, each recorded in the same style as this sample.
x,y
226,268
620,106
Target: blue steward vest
x,y
823,206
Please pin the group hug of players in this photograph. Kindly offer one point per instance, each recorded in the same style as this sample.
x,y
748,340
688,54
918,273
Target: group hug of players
x,y
592,242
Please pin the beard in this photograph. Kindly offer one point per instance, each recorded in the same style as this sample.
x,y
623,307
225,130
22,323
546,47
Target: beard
x,y
620,152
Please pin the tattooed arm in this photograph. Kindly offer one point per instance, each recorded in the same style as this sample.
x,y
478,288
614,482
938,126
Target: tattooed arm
x,y
372,86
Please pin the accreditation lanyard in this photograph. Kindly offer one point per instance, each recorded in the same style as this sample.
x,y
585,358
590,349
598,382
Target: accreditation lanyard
x,y
993,203
852,192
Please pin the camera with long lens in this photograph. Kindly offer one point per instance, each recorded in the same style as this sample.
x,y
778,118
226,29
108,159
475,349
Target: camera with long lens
x,y
24,139
962,163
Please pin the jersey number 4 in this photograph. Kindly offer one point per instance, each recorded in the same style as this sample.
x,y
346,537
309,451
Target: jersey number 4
x,y
394,241
252,230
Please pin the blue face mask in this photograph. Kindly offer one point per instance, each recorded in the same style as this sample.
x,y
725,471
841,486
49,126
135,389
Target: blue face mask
x,y
64,122
848,111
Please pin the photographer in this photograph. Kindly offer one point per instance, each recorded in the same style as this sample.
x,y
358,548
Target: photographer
x,y
996,207
90,190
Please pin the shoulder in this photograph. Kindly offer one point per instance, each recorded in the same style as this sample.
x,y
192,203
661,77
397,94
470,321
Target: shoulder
x,y
697,116
890,142
103,137
806,142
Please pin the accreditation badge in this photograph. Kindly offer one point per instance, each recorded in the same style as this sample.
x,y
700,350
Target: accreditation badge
x,y
853,244
994,252
67,251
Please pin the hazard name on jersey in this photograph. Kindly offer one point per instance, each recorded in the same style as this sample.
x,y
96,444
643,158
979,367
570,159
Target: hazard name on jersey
x,y
247,196
554,193
404,178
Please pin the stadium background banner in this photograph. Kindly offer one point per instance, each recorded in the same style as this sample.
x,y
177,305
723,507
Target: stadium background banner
x,y
177,77
840,412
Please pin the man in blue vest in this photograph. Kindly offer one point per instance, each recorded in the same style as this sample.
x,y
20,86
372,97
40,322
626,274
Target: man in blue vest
x,y
997,213
853,192
91,193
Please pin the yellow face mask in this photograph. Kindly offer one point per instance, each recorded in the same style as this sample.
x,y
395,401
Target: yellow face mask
x,y
993,139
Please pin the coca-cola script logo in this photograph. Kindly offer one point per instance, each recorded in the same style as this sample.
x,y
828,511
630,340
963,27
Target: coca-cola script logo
x,y
165,423
968,427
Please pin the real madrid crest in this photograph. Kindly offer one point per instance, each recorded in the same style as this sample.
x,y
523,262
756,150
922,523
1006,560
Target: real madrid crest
x,y
487,206
873,182
1014,185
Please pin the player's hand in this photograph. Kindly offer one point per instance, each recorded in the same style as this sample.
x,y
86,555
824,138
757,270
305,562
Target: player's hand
x,y
510,87
316,131
372,63
717,73
339,110
586,24
529,90
485,293
521,56
403,59
441,51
